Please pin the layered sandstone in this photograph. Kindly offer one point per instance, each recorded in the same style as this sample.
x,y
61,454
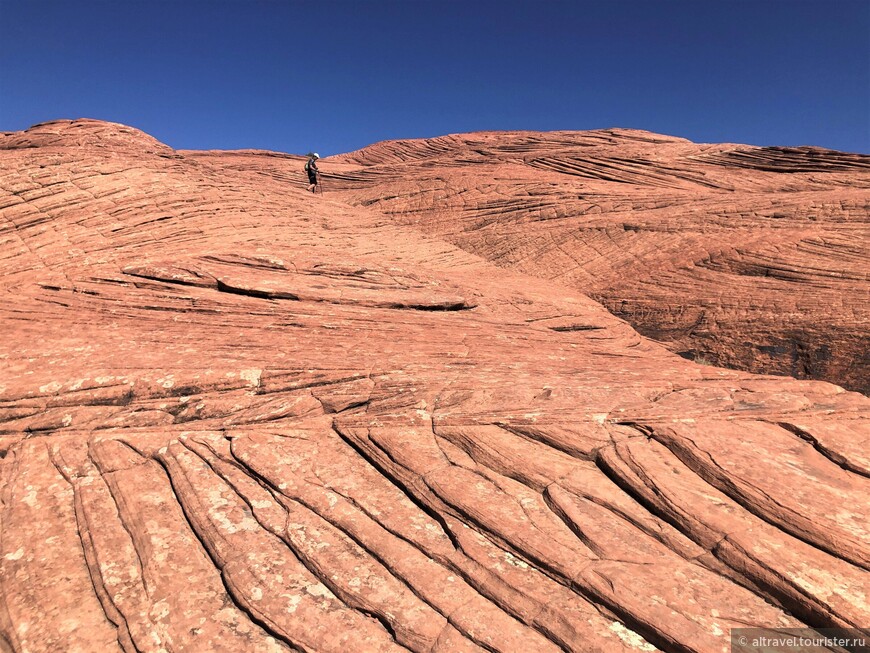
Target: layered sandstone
x,y
235,416
747,257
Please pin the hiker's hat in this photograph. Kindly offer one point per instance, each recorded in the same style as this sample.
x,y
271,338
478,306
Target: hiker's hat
x,y
316,155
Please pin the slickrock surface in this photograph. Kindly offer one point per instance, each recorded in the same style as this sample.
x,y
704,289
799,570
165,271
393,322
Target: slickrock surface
x,y
746,257
238,417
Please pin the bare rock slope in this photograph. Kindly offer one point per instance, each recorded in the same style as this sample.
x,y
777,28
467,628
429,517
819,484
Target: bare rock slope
x,y
238,417
747,257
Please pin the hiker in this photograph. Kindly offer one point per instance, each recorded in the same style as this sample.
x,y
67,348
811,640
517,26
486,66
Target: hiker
x,y
311,169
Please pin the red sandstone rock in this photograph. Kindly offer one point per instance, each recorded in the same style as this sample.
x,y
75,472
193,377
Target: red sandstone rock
x,y
749,257
235,416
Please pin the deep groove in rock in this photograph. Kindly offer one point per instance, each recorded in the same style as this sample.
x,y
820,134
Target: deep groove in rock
x,y
730,489
485,592
113,614
333,587
117,620
219,567
830,454
374,554
812,612
755,583
400,486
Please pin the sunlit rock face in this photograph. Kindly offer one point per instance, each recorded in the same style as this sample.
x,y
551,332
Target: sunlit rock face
x,y
236,416
753,258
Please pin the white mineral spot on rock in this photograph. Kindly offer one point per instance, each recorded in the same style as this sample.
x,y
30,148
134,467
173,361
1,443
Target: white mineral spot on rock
x,y
256,593
630,637
67,419
30,497
274,646
15,556
319,589
511,560
54,386
159,610
825,585
252,376
292,602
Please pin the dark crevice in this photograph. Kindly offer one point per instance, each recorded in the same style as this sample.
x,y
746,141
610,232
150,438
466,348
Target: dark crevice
x,y
110,611
126,528
266,379
576,327
793,600
643,429
252,292
788,595
632,622
529,434
462,305
377,617
153,277
571,525
219,566
835,457
689,456
113,614
431,512
125,444
336,589
447,306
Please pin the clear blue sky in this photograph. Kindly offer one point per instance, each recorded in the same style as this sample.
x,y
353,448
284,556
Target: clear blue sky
x,y
335,75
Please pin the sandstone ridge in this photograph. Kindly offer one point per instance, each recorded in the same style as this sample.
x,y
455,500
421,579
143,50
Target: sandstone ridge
x,y
748,257
238,417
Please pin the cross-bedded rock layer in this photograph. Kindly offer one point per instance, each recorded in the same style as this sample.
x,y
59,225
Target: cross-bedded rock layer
x,y
238,417
749,257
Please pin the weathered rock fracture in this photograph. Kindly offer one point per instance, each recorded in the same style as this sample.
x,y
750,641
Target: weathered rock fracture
x,y
235,416
746,257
